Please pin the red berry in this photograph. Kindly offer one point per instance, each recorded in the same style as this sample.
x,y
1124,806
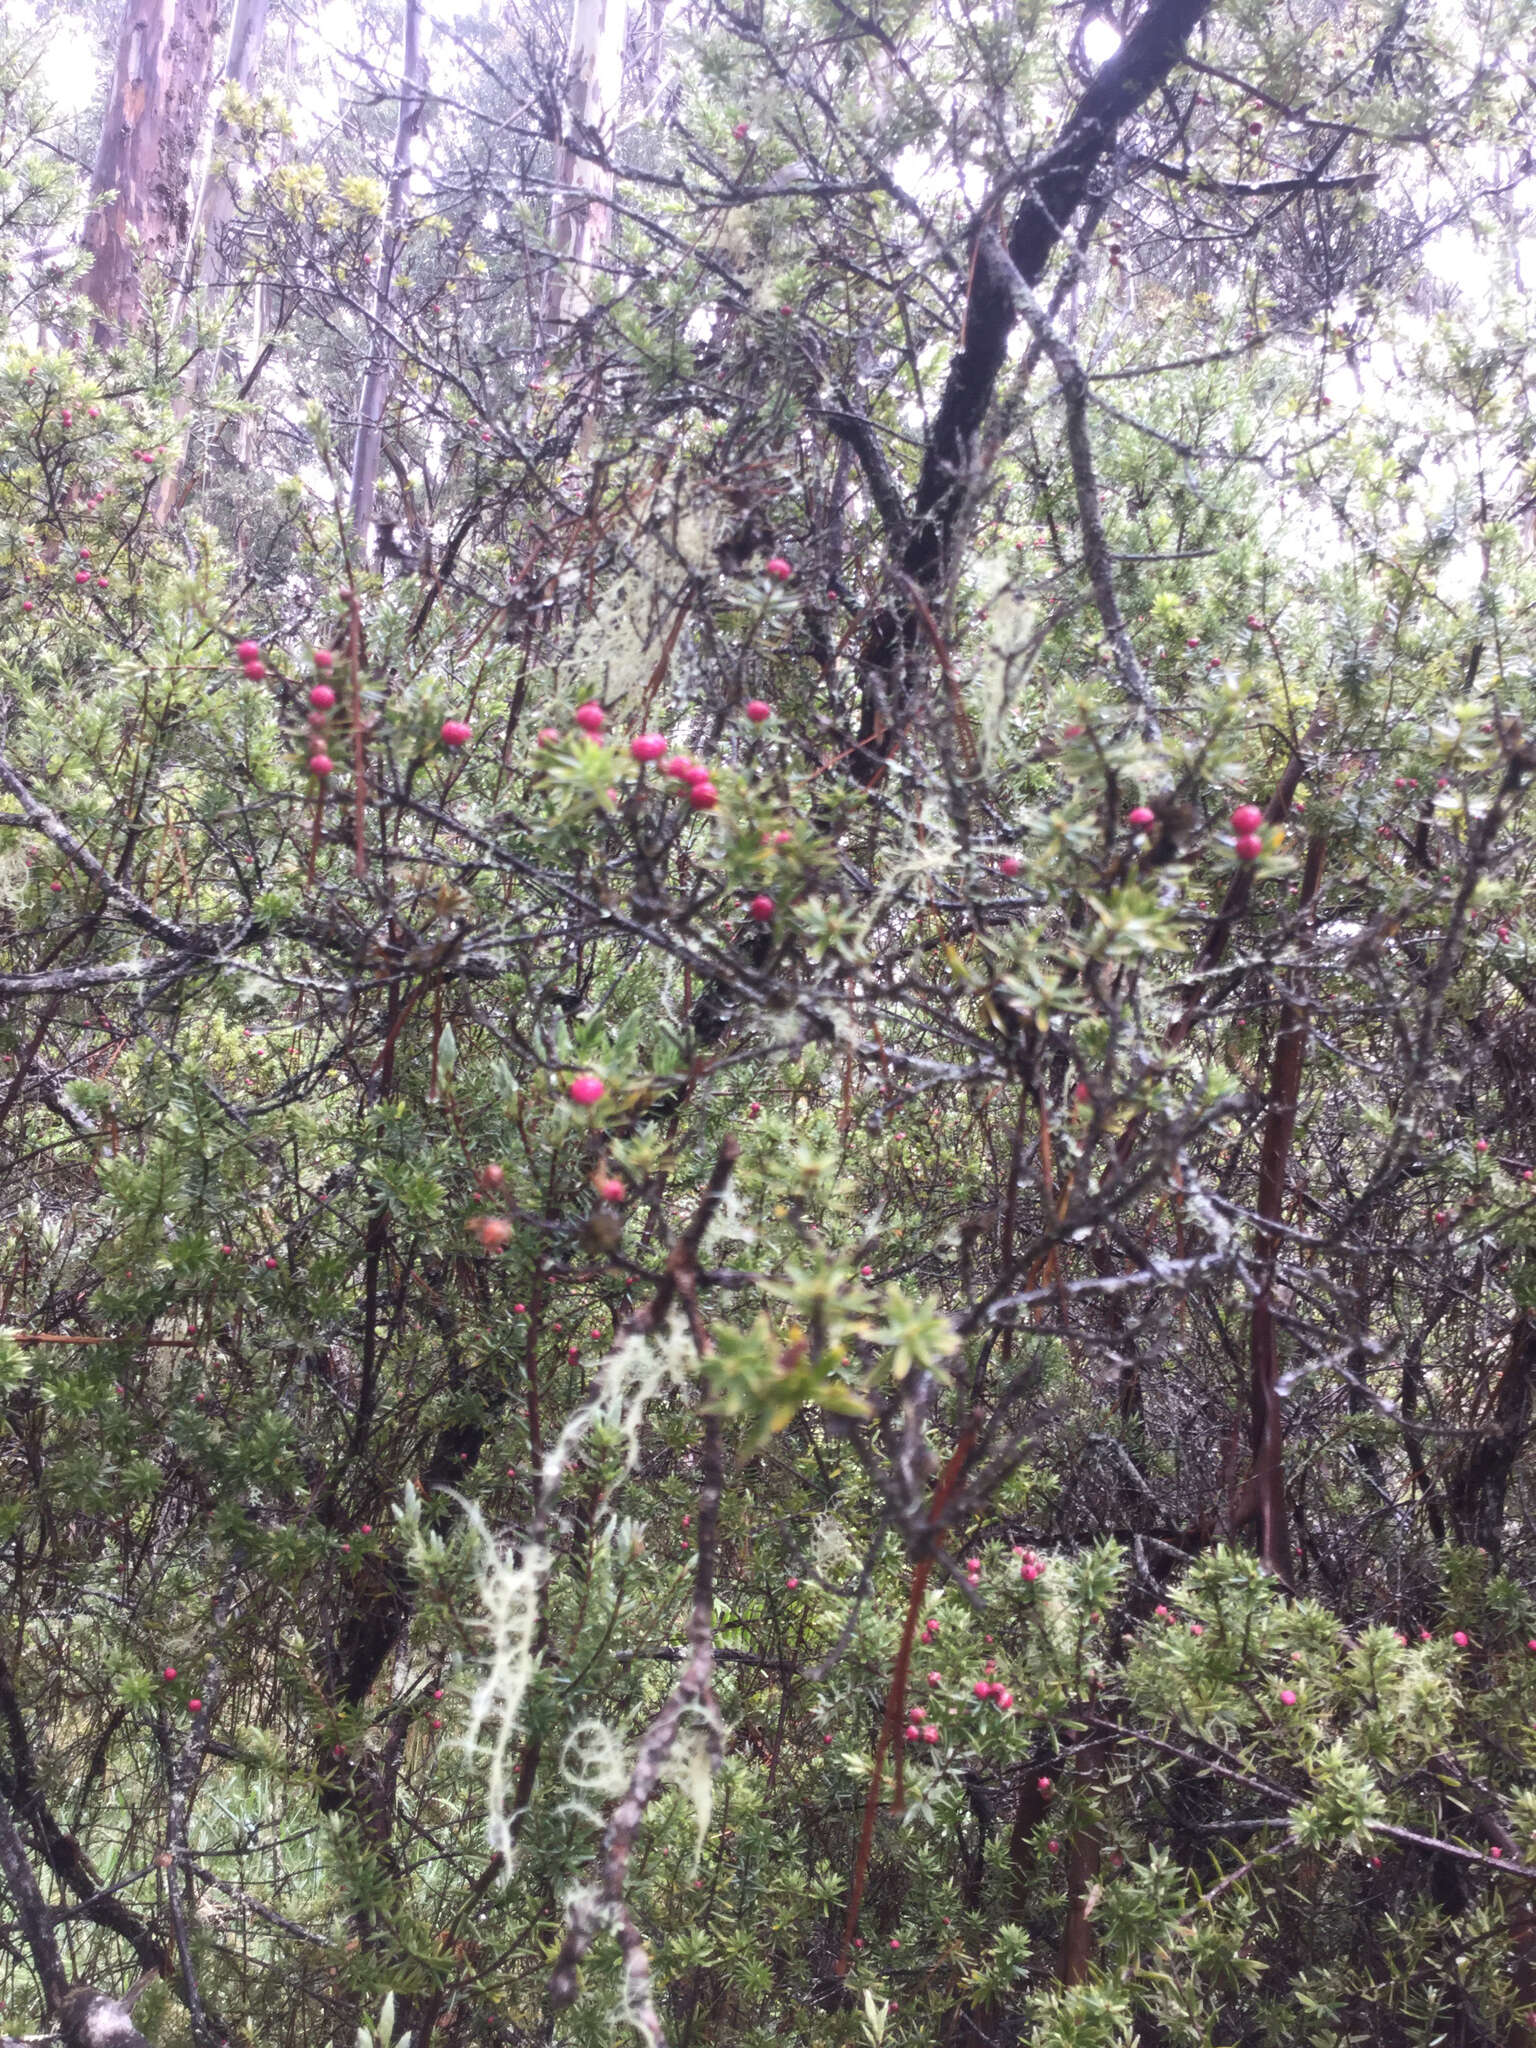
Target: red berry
x,y
647,746
322,696
590,718
170,1674
703,795
792,1584
493,1175
455,733
1287,1697
611,1189
1248,846
547,735
587,1089
255,670
1141,818
1247,818
194,1706
323,657
1460,1639
757,710
760,909
1072,732
778,569
248,650
320,764
740,131
1009,865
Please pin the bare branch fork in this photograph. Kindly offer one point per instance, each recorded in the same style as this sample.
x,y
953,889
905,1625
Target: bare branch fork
x,y
1073,380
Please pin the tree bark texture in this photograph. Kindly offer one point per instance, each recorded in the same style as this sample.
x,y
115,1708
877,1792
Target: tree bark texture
x,y
140,214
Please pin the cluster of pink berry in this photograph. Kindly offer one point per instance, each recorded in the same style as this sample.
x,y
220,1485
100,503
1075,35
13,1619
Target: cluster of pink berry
x,y
1029,1564
990,1689
920,1725
322,701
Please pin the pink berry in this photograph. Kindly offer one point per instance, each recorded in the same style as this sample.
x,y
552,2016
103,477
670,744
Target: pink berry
x,y
792,1584
647,746
1004,1699
778,569
1053,1847
455,733
1247,818
1141,818
757,710
982,1689
931,1734
322,696
547,735
82,575
194,1706
587,1089
937,1677
913,1734
324,658
1043,1787
269,1263
1196,1628
1248,846
1010,865
254,670
320,764
760,910
1072,732
1495,1852
1460,1639
703,795
590,718
1287,1697
611,1190
740,131
248,650
170,1674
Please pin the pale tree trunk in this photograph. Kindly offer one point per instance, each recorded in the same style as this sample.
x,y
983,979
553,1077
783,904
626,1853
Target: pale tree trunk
x,y
370,411
211,212
215,203
581,216
148,146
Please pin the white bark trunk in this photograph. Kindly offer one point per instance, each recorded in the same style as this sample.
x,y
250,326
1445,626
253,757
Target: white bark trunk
x,y
581,217
370,412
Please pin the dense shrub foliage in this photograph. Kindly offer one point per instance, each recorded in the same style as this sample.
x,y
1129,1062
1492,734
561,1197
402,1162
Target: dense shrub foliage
x,y
767,1208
